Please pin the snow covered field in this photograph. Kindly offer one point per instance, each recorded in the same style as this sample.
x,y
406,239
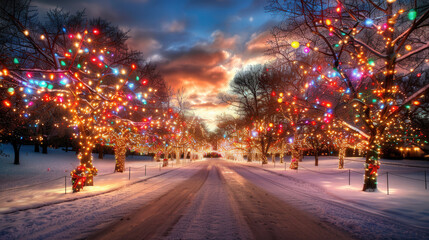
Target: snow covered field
x,y
33,204
408,200
43,179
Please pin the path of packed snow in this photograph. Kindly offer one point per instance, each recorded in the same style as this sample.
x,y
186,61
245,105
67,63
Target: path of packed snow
x,y
211,215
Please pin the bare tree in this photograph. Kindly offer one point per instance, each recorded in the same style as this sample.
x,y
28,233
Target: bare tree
x,y
251,95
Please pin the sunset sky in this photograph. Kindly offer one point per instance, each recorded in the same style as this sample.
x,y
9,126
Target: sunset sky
x,y
198,44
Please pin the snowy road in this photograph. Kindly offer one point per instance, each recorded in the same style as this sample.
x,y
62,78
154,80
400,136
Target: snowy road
x,y
217,203
212,199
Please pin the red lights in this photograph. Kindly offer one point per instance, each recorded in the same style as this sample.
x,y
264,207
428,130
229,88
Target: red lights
x,y
6,103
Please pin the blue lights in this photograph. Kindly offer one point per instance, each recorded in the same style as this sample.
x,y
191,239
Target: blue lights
x,y
64,81
43,84
369,22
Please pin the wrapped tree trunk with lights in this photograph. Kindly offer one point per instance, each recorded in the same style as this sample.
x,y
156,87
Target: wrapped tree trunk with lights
x,y
120,155
157,156
341,155
372,164
342,148
177,156
295,155
86,145
249,155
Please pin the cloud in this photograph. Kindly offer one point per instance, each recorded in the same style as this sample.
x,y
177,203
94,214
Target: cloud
x,y
150,41
174,26
146,44
210,105
257,45
200,67
206,68
222,42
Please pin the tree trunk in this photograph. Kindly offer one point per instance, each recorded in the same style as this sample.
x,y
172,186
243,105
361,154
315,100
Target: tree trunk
x,y
301,154
249,155
67,143
264,159
371,165
177,157
341,155
85,156
45,145
100,151
16,147
281,157
120,155
316,157
167,154
295,156
36,146
157,156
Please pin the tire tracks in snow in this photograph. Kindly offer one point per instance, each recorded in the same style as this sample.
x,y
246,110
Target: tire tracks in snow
x,y
212,214
269,217
156,218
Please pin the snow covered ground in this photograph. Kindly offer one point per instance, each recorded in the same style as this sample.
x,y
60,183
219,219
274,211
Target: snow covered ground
x,y
408,200
33,204
43,179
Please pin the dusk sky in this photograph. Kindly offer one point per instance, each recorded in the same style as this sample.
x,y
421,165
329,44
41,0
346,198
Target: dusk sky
x,y
198,44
